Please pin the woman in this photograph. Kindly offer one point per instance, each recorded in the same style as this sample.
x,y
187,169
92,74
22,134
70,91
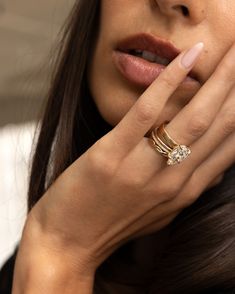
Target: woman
x,y
106,212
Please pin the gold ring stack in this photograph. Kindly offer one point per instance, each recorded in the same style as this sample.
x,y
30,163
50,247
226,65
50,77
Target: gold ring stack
x,y
167,147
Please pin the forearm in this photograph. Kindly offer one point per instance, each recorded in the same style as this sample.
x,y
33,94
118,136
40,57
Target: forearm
x,y
43,269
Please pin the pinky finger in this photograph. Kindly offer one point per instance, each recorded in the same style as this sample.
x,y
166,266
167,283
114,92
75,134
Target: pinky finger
x,y
157,225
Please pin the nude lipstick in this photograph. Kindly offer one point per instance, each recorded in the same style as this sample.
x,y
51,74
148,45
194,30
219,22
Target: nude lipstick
x,y
142,57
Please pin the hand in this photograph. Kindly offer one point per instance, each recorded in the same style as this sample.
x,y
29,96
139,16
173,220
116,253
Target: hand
x,y
121,188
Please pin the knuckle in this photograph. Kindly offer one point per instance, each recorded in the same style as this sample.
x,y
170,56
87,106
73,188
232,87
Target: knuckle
x,y
189,199
144,112
168,80
101,163
170,191
228,121
132,181
198,125
192,191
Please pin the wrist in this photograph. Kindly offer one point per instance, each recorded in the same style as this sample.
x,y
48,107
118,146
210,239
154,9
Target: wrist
x,y
43,266
44,274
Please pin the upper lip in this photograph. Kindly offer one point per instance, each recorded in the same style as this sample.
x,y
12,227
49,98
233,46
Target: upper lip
x,y
153,44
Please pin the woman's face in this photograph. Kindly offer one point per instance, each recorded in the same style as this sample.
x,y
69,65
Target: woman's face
x,y
209,21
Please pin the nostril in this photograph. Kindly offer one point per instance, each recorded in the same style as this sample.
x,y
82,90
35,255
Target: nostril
x,y
185,11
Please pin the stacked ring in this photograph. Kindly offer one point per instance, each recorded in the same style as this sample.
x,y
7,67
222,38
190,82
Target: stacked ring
x,y
167,147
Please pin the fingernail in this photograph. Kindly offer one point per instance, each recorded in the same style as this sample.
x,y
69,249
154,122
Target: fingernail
x,y
191,55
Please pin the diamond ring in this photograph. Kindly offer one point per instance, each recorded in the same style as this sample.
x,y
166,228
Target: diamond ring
x,y
166,146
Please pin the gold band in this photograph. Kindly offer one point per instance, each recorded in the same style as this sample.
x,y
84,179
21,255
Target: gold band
x,y
166,146
159,149
161,145
165,137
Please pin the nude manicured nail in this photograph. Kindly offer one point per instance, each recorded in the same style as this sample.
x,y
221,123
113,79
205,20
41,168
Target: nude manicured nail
x,y
191,55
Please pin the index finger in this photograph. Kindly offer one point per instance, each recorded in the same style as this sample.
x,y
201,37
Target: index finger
x,y
143,114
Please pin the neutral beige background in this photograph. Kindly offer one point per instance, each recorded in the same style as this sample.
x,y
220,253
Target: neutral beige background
x,y
28,29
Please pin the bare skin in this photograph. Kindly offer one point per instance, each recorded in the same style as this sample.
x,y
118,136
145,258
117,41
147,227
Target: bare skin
x,y
120,192
212,22
97,204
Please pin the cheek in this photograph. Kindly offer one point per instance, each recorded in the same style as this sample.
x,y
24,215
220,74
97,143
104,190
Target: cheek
x,y
223,20
111,93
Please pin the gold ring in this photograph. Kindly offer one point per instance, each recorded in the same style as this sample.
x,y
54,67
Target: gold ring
x,y
166,146
164,136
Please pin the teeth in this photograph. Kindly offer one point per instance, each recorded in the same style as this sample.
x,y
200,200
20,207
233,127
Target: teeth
x,y
162,60
151,57
137,52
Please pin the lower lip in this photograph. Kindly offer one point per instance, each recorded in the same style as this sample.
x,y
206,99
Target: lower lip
x,y
140,71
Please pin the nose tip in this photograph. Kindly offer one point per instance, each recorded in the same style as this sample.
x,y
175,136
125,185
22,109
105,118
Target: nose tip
x,y
193,11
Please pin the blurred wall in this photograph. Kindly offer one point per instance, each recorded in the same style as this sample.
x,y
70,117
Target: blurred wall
x,y
28,29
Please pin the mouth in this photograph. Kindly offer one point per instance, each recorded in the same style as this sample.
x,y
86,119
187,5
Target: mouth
x,y
141,58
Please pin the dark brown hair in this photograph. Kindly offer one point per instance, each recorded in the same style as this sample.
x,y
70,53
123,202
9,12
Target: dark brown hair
x,y
200,253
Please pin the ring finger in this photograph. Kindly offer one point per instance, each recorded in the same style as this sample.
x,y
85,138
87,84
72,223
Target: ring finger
x,y
222,127
190,123
215,165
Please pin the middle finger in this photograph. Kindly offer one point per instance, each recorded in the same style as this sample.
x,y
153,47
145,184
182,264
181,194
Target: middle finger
x,y
189,124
